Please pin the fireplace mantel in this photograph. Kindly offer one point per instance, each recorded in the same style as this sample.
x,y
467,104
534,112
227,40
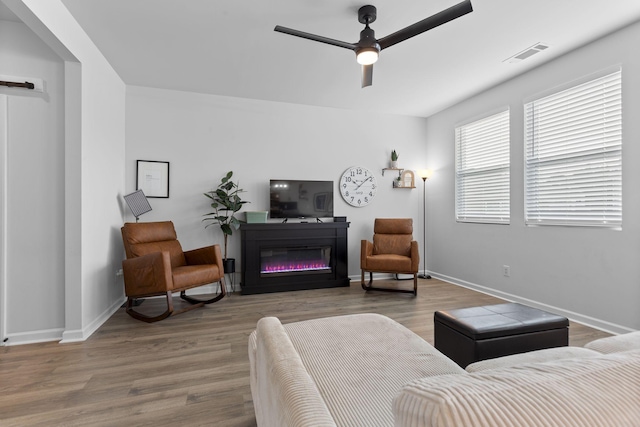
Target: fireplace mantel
x,y
329,239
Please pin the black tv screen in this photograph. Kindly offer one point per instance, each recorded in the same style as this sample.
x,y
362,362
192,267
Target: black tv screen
x,y
300,199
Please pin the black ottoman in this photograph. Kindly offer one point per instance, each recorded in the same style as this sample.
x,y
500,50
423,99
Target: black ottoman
x,y
468,335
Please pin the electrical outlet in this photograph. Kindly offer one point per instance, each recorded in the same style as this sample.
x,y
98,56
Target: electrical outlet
x,y
506,271
119,273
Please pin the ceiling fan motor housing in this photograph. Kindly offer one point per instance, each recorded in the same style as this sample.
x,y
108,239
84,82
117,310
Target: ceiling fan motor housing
x,y
367,14
368,42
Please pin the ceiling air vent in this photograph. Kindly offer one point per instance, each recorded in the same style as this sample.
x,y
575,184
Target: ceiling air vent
x,y
530,51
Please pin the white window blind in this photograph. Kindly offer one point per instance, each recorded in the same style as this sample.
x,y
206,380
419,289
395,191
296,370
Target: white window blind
x,y
482,170
573,163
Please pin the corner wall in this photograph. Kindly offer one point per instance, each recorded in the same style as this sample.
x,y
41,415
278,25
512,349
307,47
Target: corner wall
x,y
590,275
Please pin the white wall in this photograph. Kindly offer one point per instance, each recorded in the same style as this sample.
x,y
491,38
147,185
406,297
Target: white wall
x,y
592,275
204,136
35,188
93,159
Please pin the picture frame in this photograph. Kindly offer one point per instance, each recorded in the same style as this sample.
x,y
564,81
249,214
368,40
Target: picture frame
x,y
152,177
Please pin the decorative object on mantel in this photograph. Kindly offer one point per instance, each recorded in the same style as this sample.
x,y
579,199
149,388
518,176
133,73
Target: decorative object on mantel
x,y
394,160
424,174
152,177
226,201
138,203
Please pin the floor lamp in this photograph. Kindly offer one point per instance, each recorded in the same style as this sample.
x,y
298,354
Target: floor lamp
x,y
424,174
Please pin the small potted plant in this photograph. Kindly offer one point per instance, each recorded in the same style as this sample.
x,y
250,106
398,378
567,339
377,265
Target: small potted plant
x,y
394,159
225,201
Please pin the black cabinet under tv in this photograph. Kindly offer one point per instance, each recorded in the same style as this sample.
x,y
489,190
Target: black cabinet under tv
x,y
280,257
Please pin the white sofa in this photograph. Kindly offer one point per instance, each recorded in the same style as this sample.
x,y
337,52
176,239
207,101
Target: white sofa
x,y
368,370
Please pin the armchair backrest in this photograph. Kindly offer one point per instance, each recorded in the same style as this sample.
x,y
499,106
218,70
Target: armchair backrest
x,y
142,238
393,236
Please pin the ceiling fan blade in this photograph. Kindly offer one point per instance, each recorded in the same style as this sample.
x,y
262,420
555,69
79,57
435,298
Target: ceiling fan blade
x,y
367,75
420,27
314,37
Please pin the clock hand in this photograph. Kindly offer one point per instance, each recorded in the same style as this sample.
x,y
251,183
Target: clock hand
x,y
362,183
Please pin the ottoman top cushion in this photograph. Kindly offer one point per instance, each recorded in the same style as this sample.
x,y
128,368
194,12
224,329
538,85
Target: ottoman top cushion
x,y
499,320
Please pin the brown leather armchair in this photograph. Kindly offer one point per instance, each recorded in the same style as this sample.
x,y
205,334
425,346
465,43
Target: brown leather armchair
x,y
393,251
156,265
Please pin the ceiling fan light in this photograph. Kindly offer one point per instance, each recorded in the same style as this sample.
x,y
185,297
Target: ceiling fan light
x,y
367,56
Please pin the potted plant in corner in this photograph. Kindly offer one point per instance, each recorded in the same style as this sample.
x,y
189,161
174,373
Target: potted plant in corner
x,y
225,201
394,159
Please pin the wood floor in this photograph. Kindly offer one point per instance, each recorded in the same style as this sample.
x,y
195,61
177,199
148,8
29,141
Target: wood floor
x,y
191,369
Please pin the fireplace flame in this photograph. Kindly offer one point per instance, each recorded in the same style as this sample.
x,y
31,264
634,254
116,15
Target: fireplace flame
x,y
289,267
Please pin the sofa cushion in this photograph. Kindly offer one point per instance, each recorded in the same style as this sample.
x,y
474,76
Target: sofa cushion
x,y
359,362
595,391
614,344
546,355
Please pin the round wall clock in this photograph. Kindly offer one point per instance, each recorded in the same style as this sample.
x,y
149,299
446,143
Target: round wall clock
x,y
358,186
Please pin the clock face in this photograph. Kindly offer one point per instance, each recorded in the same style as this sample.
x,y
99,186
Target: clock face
x,y
358,186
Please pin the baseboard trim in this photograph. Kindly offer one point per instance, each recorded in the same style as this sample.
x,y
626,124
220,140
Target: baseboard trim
x,y
592,322
33,337
69,336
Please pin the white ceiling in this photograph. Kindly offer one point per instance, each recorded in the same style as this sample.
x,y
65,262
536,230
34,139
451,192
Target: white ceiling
x,y
228,47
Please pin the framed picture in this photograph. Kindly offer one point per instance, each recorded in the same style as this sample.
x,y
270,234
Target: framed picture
x,y
152,177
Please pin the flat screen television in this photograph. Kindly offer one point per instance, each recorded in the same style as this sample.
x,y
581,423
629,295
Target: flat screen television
x,y
291,198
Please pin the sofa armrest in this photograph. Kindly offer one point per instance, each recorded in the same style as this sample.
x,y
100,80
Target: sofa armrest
x,y
147,275
284,394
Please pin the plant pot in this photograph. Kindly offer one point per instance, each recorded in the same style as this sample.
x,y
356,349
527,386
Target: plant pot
x,y
393,164
229,265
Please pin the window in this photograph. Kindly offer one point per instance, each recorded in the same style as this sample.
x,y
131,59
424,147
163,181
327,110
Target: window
x,y
482,170
573,160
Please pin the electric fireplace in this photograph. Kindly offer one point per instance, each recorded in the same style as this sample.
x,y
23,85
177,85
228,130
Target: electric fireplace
x,y
293,256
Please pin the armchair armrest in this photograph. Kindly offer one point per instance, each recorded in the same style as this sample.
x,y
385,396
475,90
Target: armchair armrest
x,y
366,249
206,255
415,257
147,275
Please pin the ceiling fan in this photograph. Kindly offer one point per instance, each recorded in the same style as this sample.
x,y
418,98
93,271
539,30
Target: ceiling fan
x,y
368,47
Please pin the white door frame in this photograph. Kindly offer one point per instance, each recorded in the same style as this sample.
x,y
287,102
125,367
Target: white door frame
x,y
4,111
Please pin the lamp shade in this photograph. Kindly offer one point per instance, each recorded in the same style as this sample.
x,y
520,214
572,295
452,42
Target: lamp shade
x,y
425,173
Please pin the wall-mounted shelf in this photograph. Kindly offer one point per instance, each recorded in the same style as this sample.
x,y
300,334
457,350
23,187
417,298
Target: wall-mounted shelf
x,y
393,169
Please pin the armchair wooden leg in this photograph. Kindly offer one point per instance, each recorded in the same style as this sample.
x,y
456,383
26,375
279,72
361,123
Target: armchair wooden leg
x,y
149,319
192,300
368,285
